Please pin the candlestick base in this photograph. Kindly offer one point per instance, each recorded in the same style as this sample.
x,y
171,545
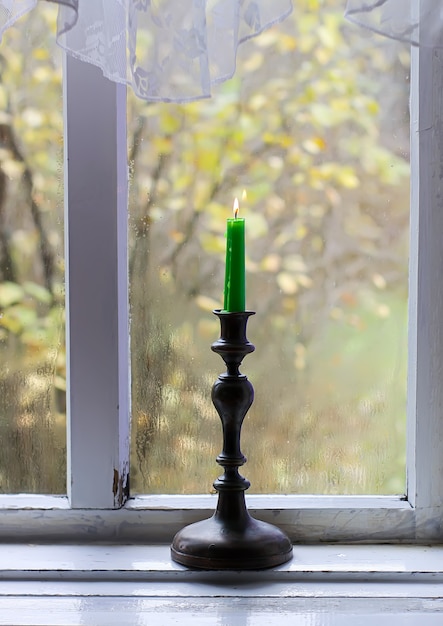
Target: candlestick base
x,y
231,538
225,543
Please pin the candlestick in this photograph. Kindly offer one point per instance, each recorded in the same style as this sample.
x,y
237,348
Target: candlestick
x,y
235,281
231,539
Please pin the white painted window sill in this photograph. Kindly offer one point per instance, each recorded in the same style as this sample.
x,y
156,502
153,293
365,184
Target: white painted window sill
x,y
329,585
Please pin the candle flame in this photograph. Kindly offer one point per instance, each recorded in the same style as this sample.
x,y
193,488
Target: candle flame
x,y
235,208
244,195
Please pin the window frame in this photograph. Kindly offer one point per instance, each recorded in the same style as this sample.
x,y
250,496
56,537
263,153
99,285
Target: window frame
x,y
97,338
98,504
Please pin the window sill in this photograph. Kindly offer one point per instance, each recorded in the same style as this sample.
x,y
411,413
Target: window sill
x,y
115,584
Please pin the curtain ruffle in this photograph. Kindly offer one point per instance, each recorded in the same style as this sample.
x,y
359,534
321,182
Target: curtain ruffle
x,y
419,22
168,50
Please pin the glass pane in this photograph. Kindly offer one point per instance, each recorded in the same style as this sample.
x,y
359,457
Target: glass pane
x,y
314,127
32,352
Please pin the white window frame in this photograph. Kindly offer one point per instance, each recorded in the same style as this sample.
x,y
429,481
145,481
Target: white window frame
x,y
97,504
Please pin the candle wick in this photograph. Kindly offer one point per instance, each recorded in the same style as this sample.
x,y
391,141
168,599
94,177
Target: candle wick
x,y
235,208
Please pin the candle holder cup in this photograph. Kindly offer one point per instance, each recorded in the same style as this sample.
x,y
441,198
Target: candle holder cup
x,y
231,538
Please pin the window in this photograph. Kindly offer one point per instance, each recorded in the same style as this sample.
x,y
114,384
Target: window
x,y
97,504
321,149
33,427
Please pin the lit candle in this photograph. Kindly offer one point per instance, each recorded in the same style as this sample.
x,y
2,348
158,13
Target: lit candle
x,y
235,281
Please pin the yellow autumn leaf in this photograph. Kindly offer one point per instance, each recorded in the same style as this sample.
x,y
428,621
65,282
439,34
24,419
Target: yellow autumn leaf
x,y
314,145
207,303
43,74
286,43
170,123
10,293
271,263
287,283
300,232
12,169
176,236
10,323
294,263
347,178
304,280
379,281
299,178
254,62
328,36
212,243
257,102
41,54
383,311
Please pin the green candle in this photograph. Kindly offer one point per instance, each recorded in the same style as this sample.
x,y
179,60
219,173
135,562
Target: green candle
x,y
235,281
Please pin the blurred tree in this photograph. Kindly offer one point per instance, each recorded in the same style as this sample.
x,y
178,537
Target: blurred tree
x,y
32,370
315,129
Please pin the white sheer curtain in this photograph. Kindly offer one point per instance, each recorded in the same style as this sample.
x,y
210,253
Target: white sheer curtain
x,y
419,22
169,50
175,50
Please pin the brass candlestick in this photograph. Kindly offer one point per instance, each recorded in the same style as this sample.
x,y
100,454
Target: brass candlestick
x,y
231,538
